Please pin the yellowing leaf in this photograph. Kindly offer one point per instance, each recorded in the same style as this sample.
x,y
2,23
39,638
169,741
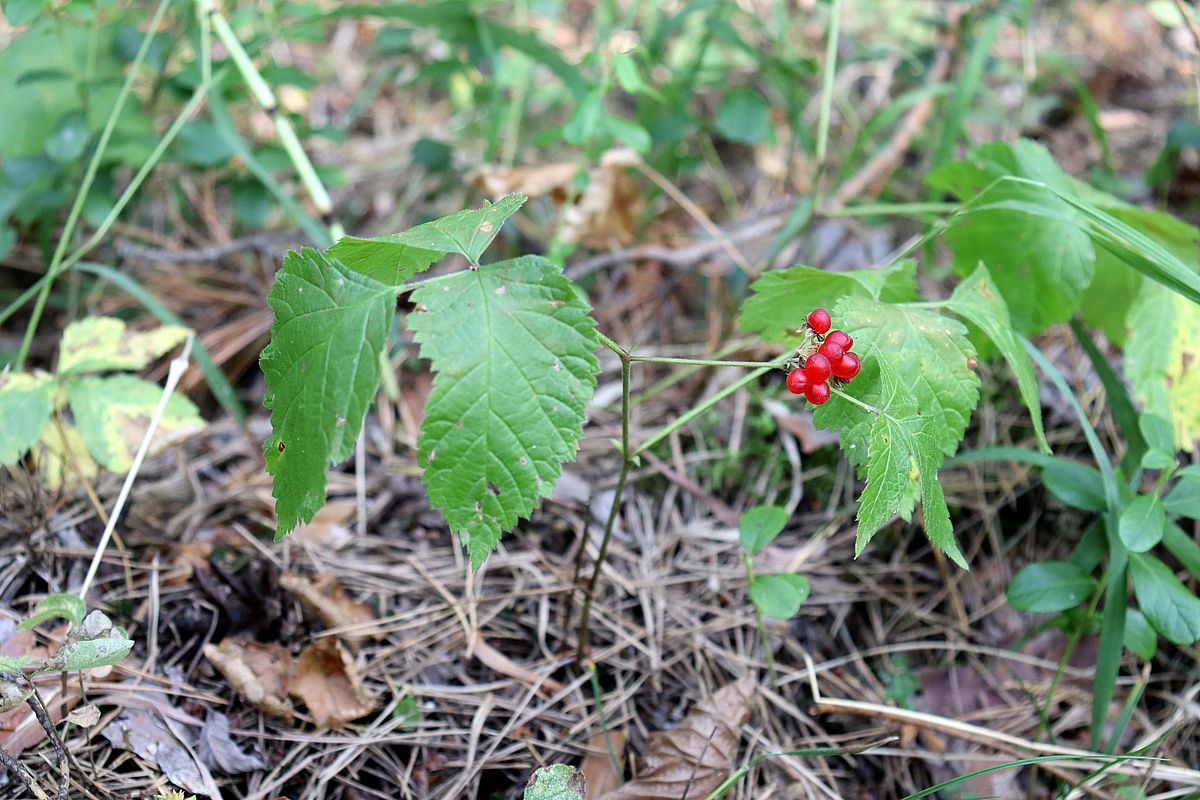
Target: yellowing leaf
x,y
1162,359
98,344
62,458
26,402
113,414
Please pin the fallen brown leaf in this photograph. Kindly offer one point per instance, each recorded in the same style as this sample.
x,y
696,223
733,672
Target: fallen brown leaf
x,y
597,767
329,601
260,673
693,758
219,751
146,734
501,663
328,683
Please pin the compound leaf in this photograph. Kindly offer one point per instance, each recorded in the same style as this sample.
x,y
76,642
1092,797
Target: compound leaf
x,y
1160,359
322,369
97,344
511,345
26,403
978,299
781,299
113,413
394,259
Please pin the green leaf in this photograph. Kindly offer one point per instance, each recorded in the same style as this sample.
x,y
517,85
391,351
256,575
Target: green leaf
x,y
760,525
1140,637
394,259
628,76
1142,523
113,413
69,138
585,120
97,344
1033,242
1171,608
1184,498
511,345
18,12
1108,298
90,653
13,664
744,117
26,403
55,606
1047,586
1160,358
322,370
629,133
978,300
781,299
556,782
780,595
1183,547
1075,484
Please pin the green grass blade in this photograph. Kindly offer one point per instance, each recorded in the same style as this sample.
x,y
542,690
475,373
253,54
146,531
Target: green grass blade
x,y
1124,414
1024,762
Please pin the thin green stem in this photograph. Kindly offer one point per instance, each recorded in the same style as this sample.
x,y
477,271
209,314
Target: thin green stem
x,y
89,177
698,362
835,18
857,402
762,623
598,696
890,209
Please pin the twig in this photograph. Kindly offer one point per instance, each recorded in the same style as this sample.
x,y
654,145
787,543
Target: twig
x,y
23,775
268,243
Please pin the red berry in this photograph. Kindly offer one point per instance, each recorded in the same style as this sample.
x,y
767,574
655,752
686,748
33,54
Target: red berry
x,y
840,338
832,350
818,320
817,368
817,393
797,381
847,366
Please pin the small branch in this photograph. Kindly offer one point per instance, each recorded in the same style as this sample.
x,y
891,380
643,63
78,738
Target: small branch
x,y
23,775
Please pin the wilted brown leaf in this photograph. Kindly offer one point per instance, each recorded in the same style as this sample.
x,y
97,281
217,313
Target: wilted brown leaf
x,y
329,601
146,734
597,767
84,716
693,758
260,673
501,663
328,683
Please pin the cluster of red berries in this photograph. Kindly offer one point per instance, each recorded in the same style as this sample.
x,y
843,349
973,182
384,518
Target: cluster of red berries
x,y
832,358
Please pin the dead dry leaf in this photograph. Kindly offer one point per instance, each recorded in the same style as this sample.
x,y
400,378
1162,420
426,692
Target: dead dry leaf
x,y
491,657
219,751
329,601
260,673
328,683
84,716
146,734
597,767
693,758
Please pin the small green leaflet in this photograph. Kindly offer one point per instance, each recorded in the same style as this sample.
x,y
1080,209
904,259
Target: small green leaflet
x,y
322,370
760,525
1166,602
55,606
26,402
978,300
98,344
781,299
1048,586
556,782
511,346
90,653
113,413
1034,244
780,595
1161,354
394,259
1142,523
1140,637
1184,498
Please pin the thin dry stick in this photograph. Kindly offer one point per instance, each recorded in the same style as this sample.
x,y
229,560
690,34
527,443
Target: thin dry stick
x,y
179,366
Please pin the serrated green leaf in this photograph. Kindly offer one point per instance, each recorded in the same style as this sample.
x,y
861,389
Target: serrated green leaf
x,y
511,346
760,525
1160,357
113,413
1142,523
1048,586
1171,608
90,653
781,299
1034,243
322,370
394,259
97,344
55,606
556,782
779,595
26,403
928,352
1075,484
979,300
1140,637
1184,498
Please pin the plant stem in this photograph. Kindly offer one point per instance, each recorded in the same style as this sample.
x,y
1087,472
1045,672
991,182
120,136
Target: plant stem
x,y
56,261
697,362
762,623
857,402
835,18
599,697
